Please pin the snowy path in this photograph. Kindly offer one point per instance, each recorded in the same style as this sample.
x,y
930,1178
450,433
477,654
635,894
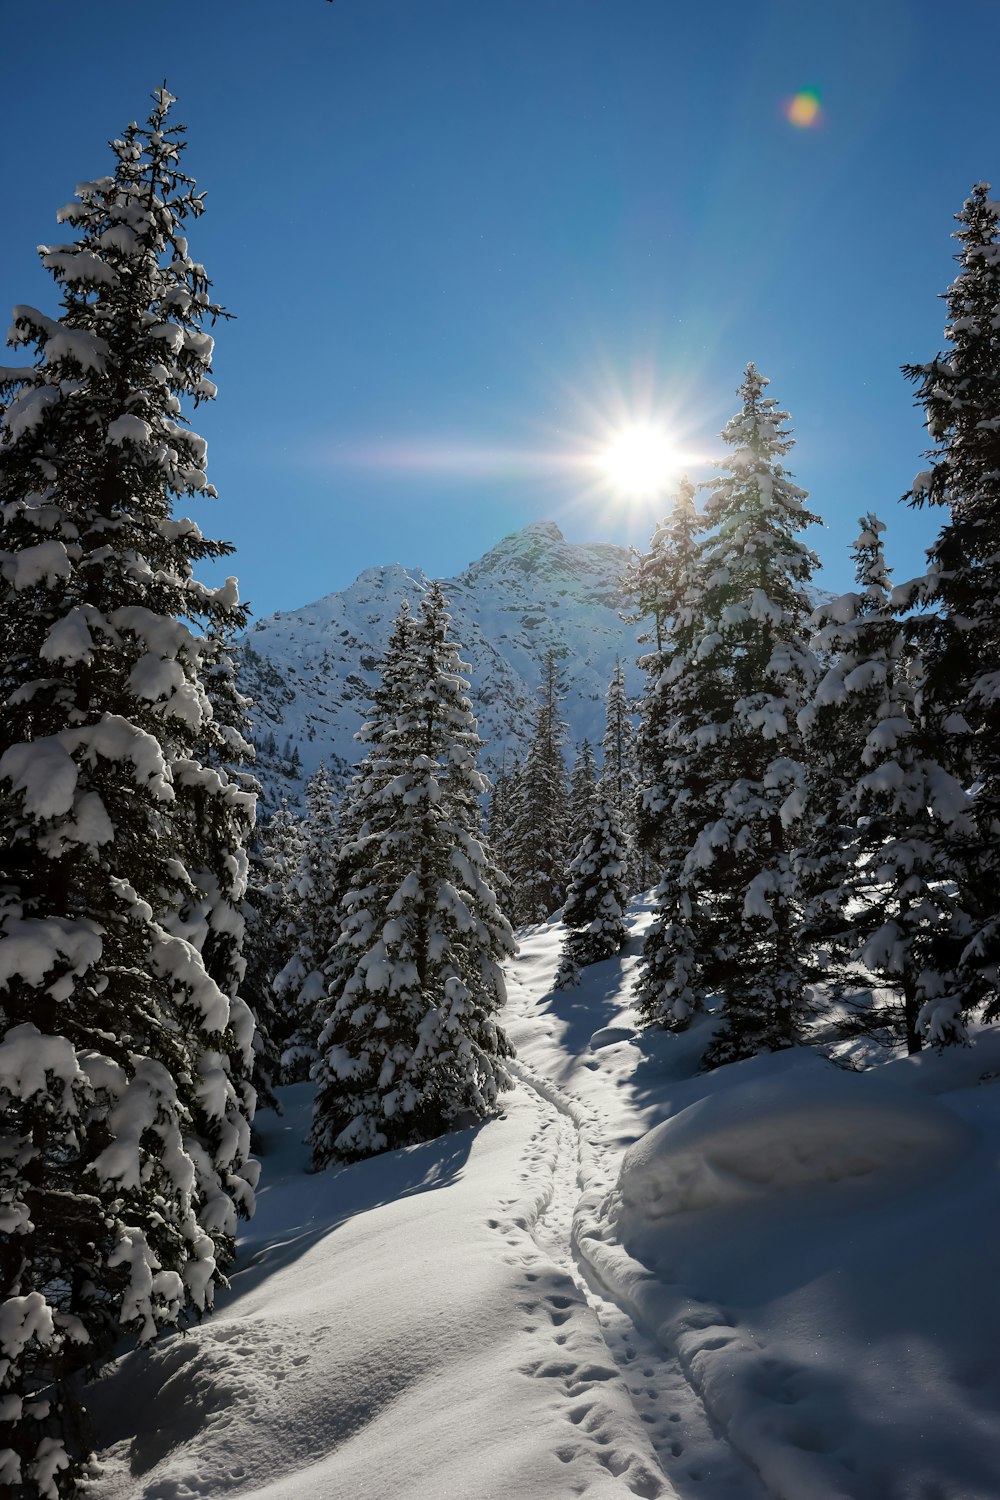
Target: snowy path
x,y
536,1228
691,1458
772,1272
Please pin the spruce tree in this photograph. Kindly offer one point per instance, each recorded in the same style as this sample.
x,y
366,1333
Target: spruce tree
x,y
386,759
594,910
619,772
658,584
582,799
273,926
898,911
302,982
412,1044
860,648
124,1066
958,631
740,670
539,853
667,988
500,812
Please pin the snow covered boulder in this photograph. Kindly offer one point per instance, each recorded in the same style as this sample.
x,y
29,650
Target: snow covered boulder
x,y
807,1124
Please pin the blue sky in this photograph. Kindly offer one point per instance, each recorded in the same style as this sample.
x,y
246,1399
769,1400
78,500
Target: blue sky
x,y
466,238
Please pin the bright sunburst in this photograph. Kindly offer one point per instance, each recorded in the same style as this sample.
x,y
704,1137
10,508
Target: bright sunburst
x,y
639,461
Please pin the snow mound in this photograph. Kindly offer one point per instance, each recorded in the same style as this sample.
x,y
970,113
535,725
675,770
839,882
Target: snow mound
x,y
811,1124
607,1036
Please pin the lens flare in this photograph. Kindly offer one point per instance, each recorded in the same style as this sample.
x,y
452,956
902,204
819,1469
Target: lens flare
x,y
804,109
640,461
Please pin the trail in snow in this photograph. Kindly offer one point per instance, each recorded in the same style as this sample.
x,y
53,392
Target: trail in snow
x,y
691,1455
788,1253
577,1376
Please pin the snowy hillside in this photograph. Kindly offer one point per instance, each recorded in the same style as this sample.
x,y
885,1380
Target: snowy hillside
x,y
308,669
776,1280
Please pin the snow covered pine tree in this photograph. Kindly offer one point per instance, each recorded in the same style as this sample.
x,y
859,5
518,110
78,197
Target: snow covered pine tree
x,y
619,772
316,900
412,1043
959,632
582,798
657,584
667,586
740,670
594,910
272,929
124,1066
538,853
879,872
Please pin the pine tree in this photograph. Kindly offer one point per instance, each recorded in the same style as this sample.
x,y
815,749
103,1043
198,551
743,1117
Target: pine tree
x,y
582,799
859,648
898,910
658,583
125,1059
959,630
302,982
539,854
594,911
273,924
500,813
385,761
619,772
740,670
412,1044
214,920
667,986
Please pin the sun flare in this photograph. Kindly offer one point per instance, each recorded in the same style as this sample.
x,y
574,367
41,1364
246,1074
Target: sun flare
x,y
639,461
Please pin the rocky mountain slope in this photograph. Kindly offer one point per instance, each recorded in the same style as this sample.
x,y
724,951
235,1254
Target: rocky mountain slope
x,y
308,670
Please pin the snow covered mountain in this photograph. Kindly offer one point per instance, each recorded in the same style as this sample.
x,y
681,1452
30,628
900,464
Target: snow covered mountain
x,y
308,670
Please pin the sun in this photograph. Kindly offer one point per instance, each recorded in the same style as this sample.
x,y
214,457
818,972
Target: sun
x,y
639,461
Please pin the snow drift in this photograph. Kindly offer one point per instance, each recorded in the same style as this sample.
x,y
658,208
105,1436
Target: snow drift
x,y
812,1124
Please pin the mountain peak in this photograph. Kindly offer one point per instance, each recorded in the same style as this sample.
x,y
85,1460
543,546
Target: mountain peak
x,y
309,670
539,528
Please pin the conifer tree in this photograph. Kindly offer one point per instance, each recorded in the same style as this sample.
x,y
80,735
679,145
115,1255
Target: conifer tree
x,y
270,931
619,771
655,579
214,919
582,799
125,1059
667,985
302,982
500,813
658,583
740,670
898,909
273,926
859,648
539,853
959,629
412,1044
594,910
385,761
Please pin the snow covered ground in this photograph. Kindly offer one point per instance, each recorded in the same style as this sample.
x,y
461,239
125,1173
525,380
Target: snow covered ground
x,y
775,1280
